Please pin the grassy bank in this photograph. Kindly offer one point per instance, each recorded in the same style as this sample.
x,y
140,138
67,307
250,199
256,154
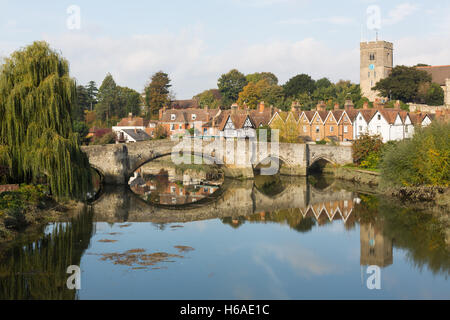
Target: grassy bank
x,y
29,206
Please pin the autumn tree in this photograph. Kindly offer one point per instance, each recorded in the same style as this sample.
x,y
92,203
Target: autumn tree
x,y
209,98
157,94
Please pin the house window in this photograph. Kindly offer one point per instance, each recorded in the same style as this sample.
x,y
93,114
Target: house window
x,y
172,127
194,117
317,129
360,128
345,129
379,117
180,126
331,129
406,129
304,129
369,74
173,117
378,129
360,118
372,56
173,189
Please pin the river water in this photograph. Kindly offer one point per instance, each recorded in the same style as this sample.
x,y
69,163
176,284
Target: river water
x,y
285,239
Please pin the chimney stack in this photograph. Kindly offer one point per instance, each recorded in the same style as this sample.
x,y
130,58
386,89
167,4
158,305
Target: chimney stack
x,y
261,107
321,106
161,112
366,105
336,106
234,108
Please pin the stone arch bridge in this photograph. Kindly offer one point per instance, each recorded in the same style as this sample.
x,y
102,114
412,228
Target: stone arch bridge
x,y
238,158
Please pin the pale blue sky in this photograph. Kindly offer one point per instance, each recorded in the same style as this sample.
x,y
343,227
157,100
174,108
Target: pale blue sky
x,y
196,41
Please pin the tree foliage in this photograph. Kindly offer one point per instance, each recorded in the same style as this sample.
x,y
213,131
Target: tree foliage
x,y
258,76
366,145
36,136
230,85
299,84
157,93
422,160
403,84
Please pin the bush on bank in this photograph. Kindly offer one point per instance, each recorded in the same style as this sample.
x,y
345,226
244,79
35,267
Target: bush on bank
x,y
18,208
422,160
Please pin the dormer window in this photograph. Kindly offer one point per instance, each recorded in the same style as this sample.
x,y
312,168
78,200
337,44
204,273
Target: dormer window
x,y
173,117
379,117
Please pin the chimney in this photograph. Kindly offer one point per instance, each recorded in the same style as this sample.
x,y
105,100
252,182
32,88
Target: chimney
x,y
234,108
366,105
261,107
271,110
397,104
161,112
130,116
336,106
321,106
349,105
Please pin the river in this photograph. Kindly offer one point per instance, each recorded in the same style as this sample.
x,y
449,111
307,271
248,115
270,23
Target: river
x,y
295,238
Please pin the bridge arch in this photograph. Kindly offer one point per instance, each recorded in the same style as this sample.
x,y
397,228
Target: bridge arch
x,y
318,164
142,163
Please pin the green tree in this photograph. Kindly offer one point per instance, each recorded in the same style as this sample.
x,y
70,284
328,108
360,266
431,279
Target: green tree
x,y
129,101
230,85
403,84
299,84
157,93
258,76
81,104
36,136
92,92
434,95
210,98
107,99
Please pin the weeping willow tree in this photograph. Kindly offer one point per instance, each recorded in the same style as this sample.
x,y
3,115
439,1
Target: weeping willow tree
x,y
36,137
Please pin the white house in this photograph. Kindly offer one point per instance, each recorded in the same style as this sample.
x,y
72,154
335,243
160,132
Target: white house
x,y
237,125
361,122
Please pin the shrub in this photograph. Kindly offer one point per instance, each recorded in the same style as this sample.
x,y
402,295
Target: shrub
x,y
371,161
321,142
160,132
107,138
422,160
365,145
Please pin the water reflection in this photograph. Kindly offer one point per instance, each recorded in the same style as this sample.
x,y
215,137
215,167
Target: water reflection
x,y
157,183
307,233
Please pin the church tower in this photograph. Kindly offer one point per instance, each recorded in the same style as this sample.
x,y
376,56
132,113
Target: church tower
x,y
377,61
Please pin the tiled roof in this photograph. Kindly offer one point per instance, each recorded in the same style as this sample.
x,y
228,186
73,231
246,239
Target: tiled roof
x,y
238,118
138,135
438,73
186,115
309,115
133,122
367,114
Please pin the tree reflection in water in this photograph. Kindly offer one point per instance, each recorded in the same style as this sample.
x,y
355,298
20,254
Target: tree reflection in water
x,y
37,270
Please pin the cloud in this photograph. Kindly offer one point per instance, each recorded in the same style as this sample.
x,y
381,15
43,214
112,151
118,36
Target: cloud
x,y
304,262
191,63
399,13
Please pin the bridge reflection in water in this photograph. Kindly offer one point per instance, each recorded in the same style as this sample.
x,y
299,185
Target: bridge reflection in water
x,y
299,205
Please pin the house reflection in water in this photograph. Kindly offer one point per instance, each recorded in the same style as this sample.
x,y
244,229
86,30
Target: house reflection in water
x,y
158,189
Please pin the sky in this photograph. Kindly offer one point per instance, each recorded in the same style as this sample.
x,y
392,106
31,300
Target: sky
x,y
196,41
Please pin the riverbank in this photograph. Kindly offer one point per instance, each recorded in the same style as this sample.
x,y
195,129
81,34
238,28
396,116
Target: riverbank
x,y
433,198
30,207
